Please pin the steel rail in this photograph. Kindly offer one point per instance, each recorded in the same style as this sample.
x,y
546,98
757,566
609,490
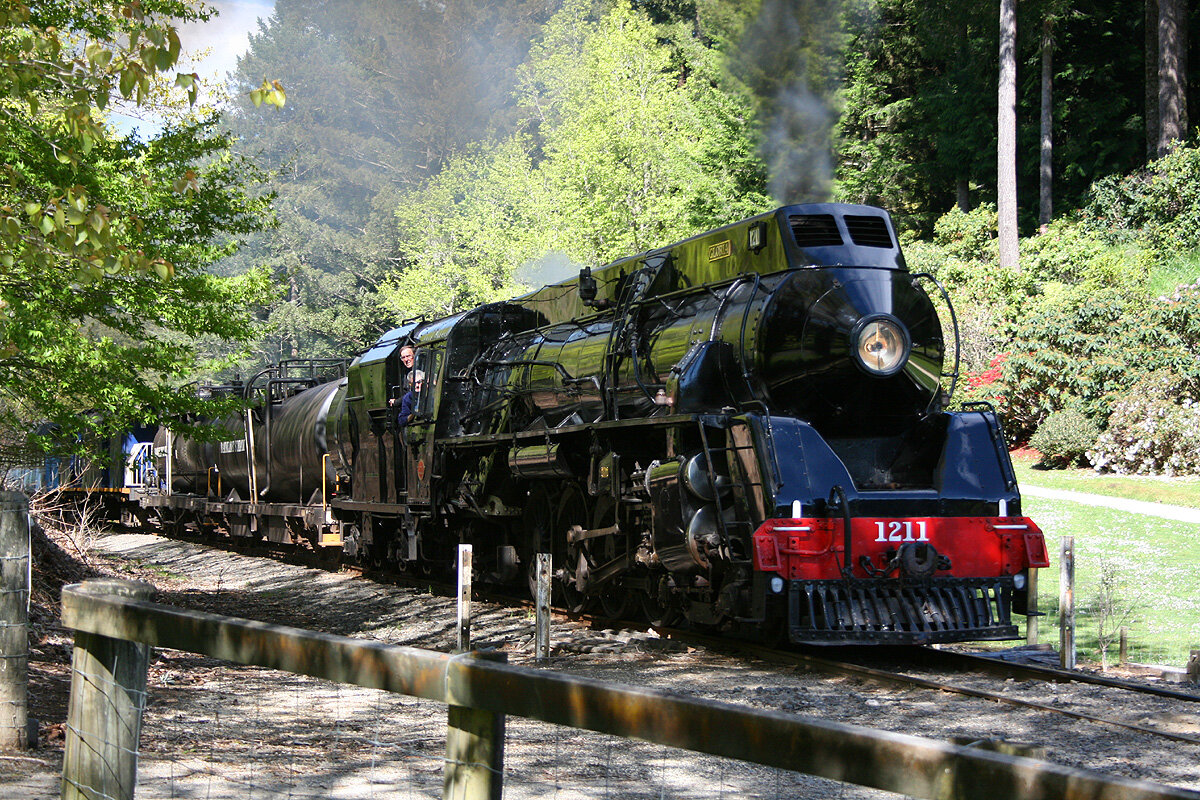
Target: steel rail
x,y
994,664
835,667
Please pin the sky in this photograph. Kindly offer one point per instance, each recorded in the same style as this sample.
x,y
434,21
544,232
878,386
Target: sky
x,y
227,34
223,38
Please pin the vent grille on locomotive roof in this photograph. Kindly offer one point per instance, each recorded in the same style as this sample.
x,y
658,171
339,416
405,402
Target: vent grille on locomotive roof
x,y
816,230
868,231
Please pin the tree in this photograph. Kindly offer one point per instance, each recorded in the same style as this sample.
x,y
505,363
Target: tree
x,y
631,143
1172,76
381,96
917,131
1150,22
790,58
1111,609
1006,143
918,126
638,131
103,241
1046,150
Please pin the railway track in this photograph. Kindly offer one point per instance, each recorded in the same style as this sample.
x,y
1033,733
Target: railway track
x,y
857,665
1019,671
963,661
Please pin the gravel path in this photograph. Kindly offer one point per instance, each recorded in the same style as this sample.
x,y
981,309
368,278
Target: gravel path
x,y
1179,513
213,730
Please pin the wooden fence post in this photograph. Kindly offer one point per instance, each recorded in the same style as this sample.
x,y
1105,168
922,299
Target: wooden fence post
x,y
1031,621
465,559
104,718
1066,603
14,621
474,749
542,615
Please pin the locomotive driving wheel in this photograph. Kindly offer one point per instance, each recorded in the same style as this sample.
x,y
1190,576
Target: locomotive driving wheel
x,y
571,561
537,521
660,608
616,601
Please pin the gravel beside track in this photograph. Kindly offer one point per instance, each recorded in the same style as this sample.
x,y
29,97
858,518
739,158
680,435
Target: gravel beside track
x,y
263,733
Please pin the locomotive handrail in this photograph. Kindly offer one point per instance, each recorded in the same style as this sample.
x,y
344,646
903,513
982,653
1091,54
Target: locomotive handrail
x,y
248,387
650,273
957,341
139,463
566,376
630,293
725,298
770,432
312,364
848,562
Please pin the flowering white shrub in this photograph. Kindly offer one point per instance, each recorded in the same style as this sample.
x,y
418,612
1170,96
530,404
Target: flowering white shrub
x,y
1150,433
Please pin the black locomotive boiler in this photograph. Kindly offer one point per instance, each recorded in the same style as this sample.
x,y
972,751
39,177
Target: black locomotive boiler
x,y
746,429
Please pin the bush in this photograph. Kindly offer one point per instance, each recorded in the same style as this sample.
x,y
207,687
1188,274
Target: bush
x,y
969,236
981,385
1158,206
985,295
1153,430
1071,253
1084,349
1064,438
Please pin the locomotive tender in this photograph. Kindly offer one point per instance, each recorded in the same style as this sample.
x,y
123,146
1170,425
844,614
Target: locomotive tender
x,y
746,429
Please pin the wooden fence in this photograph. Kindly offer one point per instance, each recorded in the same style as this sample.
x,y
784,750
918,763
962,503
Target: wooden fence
x,y
116,623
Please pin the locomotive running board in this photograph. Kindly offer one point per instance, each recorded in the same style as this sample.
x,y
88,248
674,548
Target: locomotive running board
x,y
896,612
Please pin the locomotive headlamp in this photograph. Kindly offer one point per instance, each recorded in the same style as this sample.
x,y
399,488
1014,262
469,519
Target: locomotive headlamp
x,y
881,345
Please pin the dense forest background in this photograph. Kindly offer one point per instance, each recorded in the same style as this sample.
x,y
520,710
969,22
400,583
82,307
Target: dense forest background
x,y
434,155
431,154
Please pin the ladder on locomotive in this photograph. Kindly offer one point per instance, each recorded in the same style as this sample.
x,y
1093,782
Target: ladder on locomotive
x,y
741,491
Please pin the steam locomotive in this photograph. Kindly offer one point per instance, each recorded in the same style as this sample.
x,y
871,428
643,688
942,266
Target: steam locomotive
x,y
747,430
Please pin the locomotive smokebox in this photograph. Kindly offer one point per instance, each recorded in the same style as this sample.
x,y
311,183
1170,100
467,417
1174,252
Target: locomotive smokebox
x,y
851,348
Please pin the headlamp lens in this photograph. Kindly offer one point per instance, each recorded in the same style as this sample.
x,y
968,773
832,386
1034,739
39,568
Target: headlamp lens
x,y
881,346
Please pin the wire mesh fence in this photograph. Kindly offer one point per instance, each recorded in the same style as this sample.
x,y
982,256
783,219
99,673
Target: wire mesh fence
x,y
217,731
403,722
248,732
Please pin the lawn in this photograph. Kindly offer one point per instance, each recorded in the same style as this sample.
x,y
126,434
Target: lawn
x,y
1183,491
1153,562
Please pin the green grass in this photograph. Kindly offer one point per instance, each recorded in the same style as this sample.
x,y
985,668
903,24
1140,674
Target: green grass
x,y
1174,491
1154,562
1170,274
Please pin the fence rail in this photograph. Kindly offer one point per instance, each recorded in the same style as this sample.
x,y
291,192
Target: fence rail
x,y
480,692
